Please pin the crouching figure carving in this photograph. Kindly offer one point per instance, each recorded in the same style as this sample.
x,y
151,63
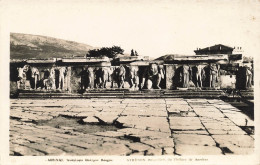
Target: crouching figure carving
x,y
152,76
102,77
118,76
133,76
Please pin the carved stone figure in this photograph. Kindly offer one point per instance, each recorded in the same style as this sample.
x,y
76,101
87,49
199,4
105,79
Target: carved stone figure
x,y
102,76
118,76
29,73
49,79
213,75
62,74
84,78
199,75
52,78
133,76
90,74
248,77
21,76
153,75
185,76
35,75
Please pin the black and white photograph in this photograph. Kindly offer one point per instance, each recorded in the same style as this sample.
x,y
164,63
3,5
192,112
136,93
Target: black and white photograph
x,y
134,81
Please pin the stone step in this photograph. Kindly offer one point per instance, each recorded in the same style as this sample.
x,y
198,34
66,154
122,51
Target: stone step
x,y
126,94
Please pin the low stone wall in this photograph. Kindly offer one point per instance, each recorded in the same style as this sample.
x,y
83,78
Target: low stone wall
x,y
76,77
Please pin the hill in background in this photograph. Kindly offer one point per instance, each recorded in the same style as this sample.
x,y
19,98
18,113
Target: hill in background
x,y
41,47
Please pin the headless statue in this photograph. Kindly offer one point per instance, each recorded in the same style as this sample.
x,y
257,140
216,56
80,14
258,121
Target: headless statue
x,y
62,73
213,75
185,76
248,77
199,75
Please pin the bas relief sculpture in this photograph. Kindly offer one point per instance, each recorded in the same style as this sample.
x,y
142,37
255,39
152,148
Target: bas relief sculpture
x,y
45,79
118,76
139,77
185,76
102,77
49,79
248,77
152,76
133,76
199,74
62,74
213,71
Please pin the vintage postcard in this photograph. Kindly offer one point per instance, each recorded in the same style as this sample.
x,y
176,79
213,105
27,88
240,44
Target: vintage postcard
x,y
129,82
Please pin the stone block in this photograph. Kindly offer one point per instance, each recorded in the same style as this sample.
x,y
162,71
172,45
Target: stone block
x,y
91,120
194,139
184,149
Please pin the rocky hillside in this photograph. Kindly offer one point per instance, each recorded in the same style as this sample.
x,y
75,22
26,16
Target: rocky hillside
x,y
34,46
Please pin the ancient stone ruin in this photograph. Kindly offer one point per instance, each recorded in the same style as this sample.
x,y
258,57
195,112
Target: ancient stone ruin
x,y
204,71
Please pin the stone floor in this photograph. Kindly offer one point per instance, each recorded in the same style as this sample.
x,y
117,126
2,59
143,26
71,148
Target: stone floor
x,y
144,127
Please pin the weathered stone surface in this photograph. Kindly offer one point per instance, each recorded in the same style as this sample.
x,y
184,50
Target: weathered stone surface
x,y
110,134
106,118
199,132
168,151
111,149
156,127
184,149
150,123
192,139
233,141
22,150
137,111
145,133
45,148
240,119
154,151
185,123
91,120
162,142
138,147
179,107
137,154
85,114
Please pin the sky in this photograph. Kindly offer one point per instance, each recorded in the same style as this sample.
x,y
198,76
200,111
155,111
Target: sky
x,y
153,28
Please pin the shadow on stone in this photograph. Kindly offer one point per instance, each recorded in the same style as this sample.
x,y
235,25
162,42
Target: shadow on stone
x,y
76,124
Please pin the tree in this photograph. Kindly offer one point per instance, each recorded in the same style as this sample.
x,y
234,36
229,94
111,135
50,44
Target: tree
x,y
136,54
132,53
109,52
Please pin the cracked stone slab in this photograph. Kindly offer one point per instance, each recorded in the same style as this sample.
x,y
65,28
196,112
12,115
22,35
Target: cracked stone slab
x,y
179,107
154,151
184,149
136,111
162,142
232,141
168,151
106,118
194,139
85,114
145,123
91,120
110,134
198,132
45,148
25,150
138,147
111,149
144,133
188,123
182,114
